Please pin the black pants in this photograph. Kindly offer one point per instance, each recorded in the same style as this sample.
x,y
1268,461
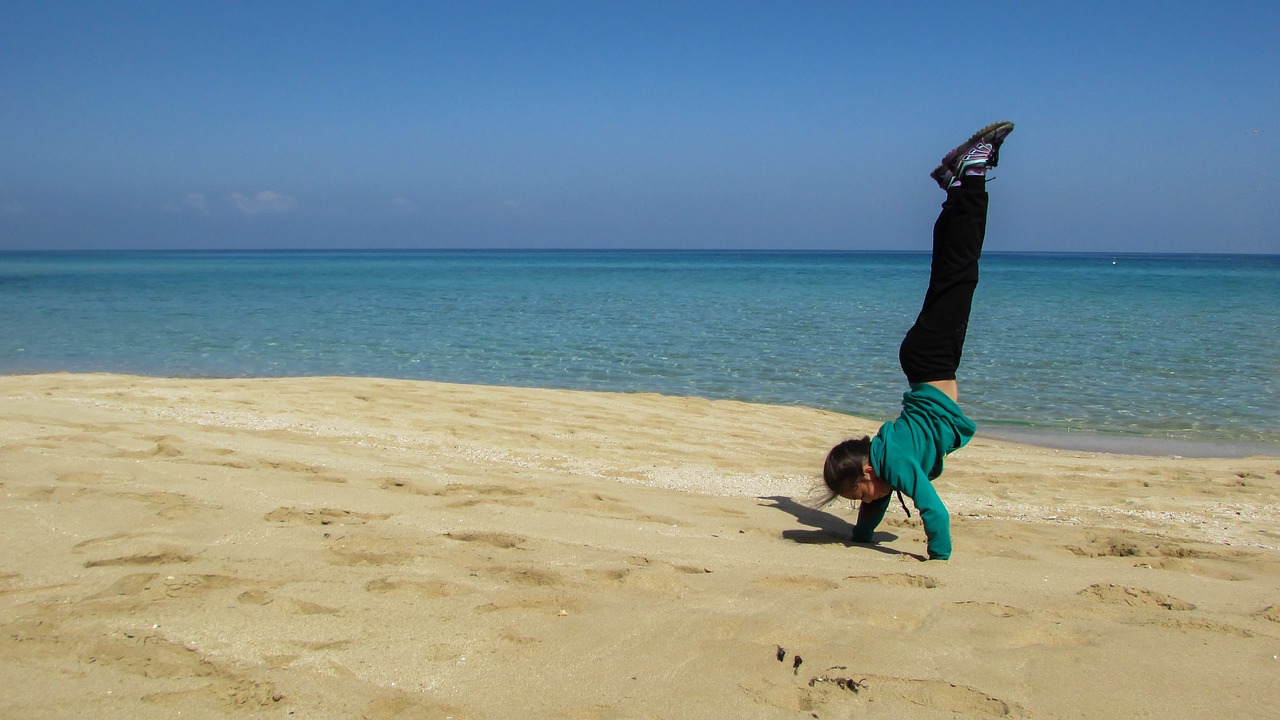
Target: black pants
x,y
932,347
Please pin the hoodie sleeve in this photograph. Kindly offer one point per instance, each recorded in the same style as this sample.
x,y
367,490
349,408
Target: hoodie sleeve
x,y
933,513
869,516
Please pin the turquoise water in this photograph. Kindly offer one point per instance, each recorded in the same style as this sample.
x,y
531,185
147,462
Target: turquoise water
x,y
1183,347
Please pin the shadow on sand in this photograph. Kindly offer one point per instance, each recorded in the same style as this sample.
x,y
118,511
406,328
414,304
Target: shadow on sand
x,y
829,529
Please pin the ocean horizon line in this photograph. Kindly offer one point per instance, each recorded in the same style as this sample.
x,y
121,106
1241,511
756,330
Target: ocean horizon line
x,y
616,251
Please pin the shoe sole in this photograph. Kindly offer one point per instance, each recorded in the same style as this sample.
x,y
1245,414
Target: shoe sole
x,y
986,134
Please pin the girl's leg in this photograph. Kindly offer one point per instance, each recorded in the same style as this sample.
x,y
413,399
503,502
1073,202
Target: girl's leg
x,y
932,348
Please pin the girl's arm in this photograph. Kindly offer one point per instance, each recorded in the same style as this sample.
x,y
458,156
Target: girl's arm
x,y
869,516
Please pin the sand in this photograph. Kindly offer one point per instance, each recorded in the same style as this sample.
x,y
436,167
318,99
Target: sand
x,y
362,548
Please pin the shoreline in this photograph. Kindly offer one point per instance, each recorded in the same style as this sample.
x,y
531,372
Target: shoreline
x,y
718,341
1091,442
1081,441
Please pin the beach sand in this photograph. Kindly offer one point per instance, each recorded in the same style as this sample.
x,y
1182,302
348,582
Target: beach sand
x,y
362,548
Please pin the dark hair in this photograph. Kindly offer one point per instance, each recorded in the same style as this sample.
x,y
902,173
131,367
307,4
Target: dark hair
x,y
844,465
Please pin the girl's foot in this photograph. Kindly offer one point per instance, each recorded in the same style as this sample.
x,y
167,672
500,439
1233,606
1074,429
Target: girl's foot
x,y
973,156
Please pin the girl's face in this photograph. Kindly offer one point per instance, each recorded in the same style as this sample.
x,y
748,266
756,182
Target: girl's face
x,y
866,489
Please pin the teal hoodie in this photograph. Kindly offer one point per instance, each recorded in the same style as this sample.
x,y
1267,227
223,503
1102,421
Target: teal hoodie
x,y
907,454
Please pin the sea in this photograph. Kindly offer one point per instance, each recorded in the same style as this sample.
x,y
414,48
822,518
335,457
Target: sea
x,y
1158,354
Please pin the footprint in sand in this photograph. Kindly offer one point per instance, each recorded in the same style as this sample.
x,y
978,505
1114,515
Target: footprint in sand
x,y
1218,570
830,694
168,446
1121,543
306,607
322,516
405,486
539,601
255,597
103,540
472,495
163,447
528,576
989,608
307,472
1202,625
995,627
960,700
295,606
87,478
897,580
156,658
157,586
604,506
169,505
799,582
51,494
608,576
659,577
500,540
129,585
429,589
1133,597
1141,599
157,557
374,550
1270,612
282,660
644,562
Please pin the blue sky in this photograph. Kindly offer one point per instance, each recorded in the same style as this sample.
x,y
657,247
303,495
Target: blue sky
x,y
1142,126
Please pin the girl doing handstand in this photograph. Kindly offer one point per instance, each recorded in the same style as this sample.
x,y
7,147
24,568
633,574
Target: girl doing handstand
x,y
907,453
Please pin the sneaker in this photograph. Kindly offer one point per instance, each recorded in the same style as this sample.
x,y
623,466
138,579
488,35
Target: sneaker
x,y
974,156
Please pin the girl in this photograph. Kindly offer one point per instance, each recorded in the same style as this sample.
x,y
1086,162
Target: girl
x,y
907,453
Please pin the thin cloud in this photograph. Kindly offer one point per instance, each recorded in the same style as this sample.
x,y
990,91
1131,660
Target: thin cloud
x,y
195,202
267,201
12,207
191,202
